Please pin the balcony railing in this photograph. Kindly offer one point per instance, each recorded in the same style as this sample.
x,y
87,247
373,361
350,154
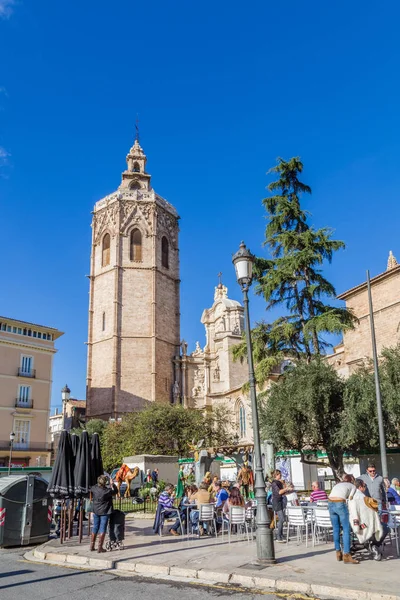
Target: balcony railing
x,y
20,403
25,446
24,373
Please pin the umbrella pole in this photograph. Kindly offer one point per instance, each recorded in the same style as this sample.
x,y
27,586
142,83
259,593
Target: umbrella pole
x,y
70,517
80,522
62,523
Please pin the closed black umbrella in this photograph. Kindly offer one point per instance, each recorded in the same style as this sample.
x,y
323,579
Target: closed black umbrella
x,y
84,474
62,479
74,443
97,461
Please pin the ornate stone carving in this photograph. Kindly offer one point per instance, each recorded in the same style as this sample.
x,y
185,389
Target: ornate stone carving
x,y
136,213
106,219
199,378
217,373
168,223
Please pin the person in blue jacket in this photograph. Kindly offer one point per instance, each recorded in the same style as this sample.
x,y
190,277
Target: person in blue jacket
x,y
393,495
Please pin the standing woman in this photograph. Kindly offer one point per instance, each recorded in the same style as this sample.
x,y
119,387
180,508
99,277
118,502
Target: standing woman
x,y
102,509
278,492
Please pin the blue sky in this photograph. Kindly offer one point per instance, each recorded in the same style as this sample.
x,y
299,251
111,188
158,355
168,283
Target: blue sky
x,y
222,89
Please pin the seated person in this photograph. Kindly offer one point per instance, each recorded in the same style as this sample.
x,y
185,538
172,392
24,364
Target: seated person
x,y
364,518
235,499
291,497
221,495
317,495
393,495
202,496
166,502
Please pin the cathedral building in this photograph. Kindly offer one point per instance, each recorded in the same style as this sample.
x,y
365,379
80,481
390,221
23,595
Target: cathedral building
x,y
135,355
134,315
356,347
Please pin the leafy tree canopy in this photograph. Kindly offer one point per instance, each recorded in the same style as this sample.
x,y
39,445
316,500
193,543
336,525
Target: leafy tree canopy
x,y
162,429
304,412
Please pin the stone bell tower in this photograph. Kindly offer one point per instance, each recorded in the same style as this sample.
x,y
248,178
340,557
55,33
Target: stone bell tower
x,y
134,313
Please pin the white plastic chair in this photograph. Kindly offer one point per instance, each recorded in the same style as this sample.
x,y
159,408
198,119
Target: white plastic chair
x,y
207,515
251,518
322,524
176,512
394,524
237,516
296,518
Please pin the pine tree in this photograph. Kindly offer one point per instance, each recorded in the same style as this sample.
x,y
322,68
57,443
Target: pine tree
x,y
293,278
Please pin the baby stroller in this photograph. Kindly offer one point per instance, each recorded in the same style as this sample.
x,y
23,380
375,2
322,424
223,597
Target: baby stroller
x,y
116,531
374,546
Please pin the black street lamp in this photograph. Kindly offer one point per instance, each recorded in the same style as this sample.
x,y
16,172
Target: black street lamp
x,y
12,438
243,261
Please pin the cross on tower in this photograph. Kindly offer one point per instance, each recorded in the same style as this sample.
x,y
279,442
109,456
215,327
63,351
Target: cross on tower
x,y
137,129
220,279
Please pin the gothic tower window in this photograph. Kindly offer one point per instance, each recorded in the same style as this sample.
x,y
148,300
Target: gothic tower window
x,y
135,185
104,321
135,248
136,167
242,421
165,253
105,255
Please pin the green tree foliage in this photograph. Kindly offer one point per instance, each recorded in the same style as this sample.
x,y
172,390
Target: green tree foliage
x,y
165,429
360,422
304,411
117,441
292,279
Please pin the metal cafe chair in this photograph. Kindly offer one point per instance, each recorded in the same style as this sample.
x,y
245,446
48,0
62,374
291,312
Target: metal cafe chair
x,y
297,519
237,516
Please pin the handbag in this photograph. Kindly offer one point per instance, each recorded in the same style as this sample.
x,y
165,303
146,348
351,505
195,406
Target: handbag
x,y
88,506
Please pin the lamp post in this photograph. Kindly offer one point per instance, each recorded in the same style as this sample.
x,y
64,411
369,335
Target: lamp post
x,y
243,261
382,441
12,438
65,396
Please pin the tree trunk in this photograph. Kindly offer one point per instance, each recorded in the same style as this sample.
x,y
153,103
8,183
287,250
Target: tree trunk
x,y
302,321
311,311
336,464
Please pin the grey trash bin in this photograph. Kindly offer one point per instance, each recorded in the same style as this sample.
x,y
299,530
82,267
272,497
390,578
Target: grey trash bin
x,y
25,510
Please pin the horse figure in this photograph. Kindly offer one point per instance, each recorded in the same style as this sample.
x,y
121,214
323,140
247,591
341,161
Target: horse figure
x,y
125,475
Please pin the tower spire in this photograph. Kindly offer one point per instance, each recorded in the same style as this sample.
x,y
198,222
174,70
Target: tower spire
x,y
392,262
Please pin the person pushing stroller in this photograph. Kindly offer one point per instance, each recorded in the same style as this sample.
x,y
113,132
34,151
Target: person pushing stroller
x,y
365,521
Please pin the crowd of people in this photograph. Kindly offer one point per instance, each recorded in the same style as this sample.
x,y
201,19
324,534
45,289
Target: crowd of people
x,y
222,494
355,505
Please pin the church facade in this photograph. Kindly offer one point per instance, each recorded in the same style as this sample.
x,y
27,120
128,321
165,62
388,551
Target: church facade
x,y
134,315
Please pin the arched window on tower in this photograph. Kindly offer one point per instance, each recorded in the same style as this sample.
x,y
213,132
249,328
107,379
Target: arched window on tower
x,y
135,185
136,167
242,421
135,249
165,253
105,254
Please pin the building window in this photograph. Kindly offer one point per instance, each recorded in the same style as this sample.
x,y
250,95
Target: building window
x,y
104,321
26,364
136,167
9,328
105,255
242,421
164,253
22,434
24,395
135,249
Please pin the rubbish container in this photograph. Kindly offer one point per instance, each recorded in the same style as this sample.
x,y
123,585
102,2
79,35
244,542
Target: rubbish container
x,y
25,510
